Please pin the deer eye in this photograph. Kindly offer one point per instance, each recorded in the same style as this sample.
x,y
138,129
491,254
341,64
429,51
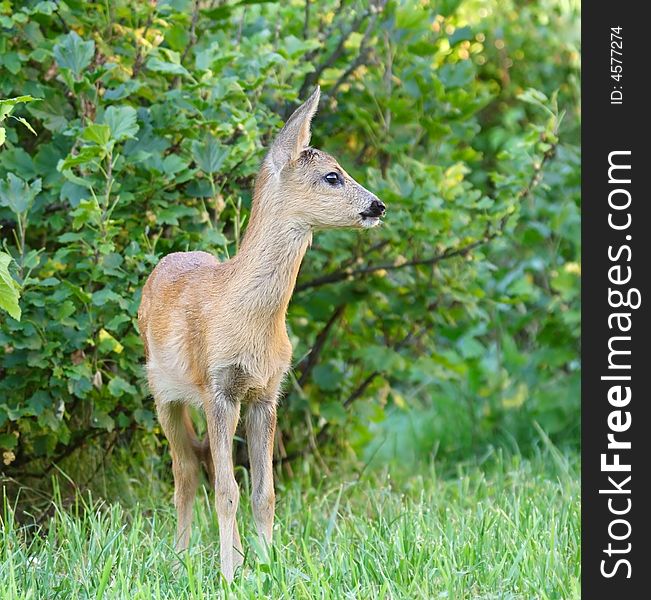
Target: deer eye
x,y
333,178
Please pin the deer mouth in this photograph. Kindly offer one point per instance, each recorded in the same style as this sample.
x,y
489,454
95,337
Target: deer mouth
x,y
369,220
371,215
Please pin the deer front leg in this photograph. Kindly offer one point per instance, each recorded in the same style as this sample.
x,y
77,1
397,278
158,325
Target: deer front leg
x,y
222,414
260,430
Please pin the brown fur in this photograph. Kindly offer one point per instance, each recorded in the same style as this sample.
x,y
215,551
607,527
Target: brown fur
x,y
215,335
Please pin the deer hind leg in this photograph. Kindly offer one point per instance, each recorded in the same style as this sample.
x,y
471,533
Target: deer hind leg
x,y
260,430
222,415
185,466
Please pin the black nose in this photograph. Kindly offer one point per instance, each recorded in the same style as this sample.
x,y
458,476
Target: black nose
x,y
377,209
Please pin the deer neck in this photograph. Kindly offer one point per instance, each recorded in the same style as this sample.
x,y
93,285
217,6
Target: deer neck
x,y
268,263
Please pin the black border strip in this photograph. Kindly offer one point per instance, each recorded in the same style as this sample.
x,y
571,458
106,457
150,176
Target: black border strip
x,y
609,127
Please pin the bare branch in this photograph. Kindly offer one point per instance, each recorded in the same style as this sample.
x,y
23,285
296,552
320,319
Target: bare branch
x,y
362,59
139,60
193,31
349,274
312,78
311,360
360,389
192,41
364,51
452,252
306,23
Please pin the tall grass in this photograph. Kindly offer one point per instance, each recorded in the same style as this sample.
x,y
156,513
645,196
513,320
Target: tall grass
x,y
506,529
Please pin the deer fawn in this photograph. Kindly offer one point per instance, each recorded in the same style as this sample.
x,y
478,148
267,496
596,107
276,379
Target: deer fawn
x,y
215,335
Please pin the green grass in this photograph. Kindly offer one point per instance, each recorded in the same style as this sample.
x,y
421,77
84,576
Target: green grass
x,y
507,529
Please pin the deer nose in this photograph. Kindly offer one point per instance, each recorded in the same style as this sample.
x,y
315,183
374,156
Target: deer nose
x,y
377,209
378,206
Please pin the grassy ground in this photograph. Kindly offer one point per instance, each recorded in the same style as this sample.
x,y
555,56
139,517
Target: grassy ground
x,y
506,529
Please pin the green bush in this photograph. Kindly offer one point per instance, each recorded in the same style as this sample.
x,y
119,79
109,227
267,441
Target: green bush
x,y
151,120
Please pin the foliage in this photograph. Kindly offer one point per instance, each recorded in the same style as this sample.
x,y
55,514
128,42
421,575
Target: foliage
x,y
8,288
510,529
11,196
150,123
6,106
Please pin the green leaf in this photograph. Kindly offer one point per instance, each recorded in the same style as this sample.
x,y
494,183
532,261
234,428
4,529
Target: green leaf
x,y
171,214
566,284
25,123
9,289
45,7
18,161
73,53
172,164
123,90
145,417
101,297
97,133
6,106
73,193
215,238
326,376
39,401
461,34
87,213
470,347
118,386
456,75
537,98
107,343
381,359
116,321
121,121
8,441
86,155
171,66
533,96
209,155
18,195
333,412
102,420
292,47
51,110
156,64
49,282
63,310
13,101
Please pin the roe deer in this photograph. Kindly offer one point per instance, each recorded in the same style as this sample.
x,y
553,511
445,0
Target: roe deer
x,y
215,335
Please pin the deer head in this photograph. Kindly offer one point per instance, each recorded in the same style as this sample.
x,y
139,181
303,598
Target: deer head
x,y
307,186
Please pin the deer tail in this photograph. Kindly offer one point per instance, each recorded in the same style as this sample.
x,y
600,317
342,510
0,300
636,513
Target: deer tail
x,y
201,448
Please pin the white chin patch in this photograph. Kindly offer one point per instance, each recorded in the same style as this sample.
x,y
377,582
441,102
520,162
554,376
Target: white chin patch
x,y
368,222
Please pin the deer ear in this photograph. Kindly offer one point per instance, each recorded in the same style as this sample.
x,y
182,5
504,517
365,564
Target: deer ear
x,y
295,135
